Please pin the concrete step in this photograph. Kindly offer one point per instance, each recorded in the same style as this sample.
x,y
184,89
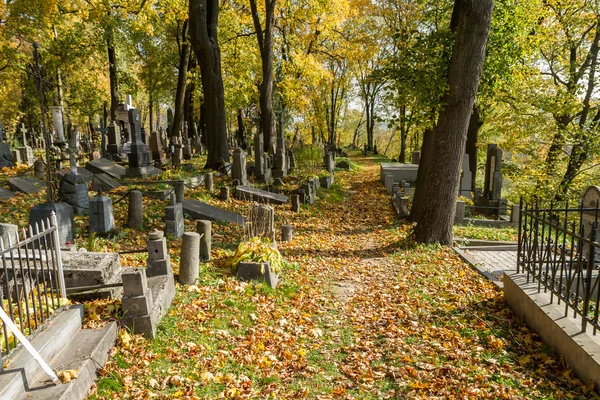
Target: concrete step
x,y
22,369
106,293
86,353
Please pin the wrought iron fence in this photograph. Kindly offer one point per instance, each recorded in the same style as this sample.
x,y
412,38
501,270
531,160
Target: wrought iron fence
x,y
32,286
558,247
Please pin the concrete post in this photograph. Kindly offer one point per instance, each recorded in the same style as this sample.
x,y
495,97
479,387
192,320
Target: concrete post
x,y
296,203
224,195
135,214
190,261
515,213
208,181
459,217
204,227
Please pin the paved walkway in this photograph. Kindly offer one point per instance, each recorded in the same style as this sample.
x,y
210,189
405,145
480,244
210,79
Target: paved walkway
x,y
491,263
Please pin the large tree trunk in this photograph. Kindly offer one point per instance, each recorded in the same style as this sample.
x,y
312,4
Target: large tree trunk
x,y
426,150
204,17
434,222
265,45
184,59
189,101
241,131
475,124
403,135
114,82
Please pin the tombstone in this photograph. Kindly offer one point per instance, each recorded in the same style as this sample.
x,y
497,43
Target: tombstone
x,y
174,220
307,193
6,194
57,122
6,155
16,157
343,165
204,229
262,221
416,157
243,192
102,219
389,182
200,210
9,231
224,194
64,218
459,215
74,191
96,155
104,183
262,165
139,158
177,152
159,260
286,233
239,166
408,190
466,177
25,151
296,203
156,147
492,191
190,260
329,163
38,169
187,145
23,185
135,211
280,167
590,199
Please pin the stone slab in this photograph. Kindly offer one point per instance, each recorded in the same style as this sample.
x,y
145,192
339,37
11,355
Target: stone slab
x,y
64,218
106,166
400,172
199,210
23,185
244,192
6,194
105,181
88,268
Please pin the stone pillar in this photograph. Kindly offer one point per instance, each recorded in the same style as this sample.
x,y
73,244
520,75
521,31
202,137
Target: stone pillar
x,y
190,258
515,213
239,167
174,220
74,191
296,203
416,157
329,163
389,182
135,214
208,181
459,217
286,233
38,169
179,192
137,302
204,229
102,219
159,260
224,195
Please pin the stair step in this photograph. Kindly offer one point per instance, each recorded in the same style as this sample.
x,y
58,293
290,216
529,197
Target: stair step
x,y
87,268
107,293
86,353
22,368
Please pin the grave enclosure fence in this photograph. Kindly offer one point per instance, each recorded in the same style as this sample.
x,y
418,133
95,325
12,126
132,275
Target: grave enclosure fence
x,y
559,250
32,287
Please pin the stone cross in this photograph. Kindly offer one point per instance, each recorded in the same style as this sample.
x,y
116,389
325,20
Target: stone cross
x,y
23,132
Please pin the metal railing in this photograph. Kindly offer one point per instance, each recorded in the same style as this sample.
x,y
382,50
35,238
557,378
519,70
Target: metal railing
x,y
558,248
32,286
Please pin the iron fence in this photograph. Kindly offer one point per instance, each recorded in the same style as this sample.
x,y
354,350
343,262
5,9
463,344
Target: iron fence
x,y
558,247
32,286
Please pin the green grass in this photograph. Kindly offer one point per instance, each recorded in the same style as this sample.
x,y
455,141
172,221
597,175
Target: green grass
x,y
484,233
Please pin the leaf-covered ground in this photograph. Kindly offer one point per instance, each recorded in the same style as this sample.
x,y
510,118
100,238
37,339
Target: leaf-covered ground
x,y
362,314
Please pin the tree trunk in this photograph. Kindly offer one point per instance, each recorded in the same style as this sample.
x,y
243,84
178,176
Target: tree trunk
x,y
204,16
241,131
426,149
189,101
435,219
403,135
475,124
150,101
265,45
114,82
184,59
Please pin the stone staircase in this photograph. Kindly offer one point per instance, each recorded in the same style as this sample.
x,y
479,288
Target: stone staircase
x,y
65,346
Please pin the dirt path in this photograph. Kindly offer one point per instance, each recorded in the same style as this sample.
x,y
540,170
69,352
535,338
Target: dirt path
x,y
362,314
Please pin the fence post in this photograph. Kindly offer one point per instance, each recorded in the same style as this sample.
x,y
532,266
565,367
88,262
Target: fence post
x,y
59,266
589,277
520,238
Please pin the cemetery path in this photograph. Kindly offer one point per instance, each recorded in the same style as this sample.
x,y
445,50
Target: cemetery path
x,y
363,313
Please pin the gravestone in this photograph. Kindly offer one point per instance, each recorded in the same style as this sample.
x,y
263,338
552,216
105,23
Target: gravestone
x,y
174,219
139,158
23,185
262,221
187,144
156,147
244,192
16,155
590,200
262,167
329,163
190,259
199,210
38,169
492,191
6,194
8,233
101,215
6,155
74,191
466,178
96,155
280,165
135,211
416,157
292,159
105,166
239,166
64,218
114,147
25,151
104,183
204,229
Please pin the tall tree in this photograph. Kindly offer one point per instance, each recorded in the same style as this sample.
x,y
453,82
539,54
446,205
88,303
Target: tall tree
x,y
434,222
265,45
204,18
184,59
